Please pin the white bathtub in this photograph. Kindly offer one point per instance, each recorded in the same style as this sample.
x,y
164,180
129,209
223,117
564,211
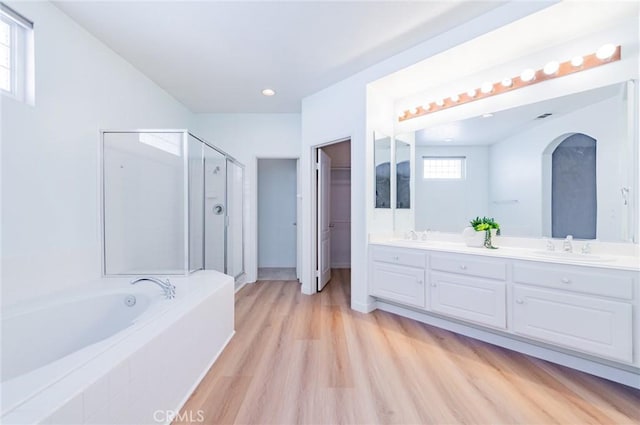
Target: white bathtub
x,y
91,356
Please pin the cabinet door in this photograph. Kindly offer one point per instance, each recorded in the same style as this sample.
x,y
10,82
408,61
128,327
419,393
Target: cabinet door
x,y
477,300
584,323
398,283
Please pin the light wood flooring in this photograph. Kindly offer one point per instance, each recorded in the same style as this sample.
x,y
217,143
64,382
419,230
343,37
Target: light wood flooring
x,y
298,359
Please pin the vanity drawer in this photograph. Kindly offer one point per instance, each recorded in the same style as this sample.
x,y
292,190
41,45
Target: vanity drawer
x,y
404,257
588,324
608,283
469,266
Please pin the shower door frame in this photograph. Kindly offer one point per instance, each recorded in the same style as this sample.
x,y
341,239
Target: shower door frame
x,y
185,200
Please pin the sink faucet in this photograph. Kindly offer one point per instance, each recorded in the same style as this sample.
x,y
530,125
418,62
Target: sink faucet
x,y
586,248
550,245
168,289
567,245
413,235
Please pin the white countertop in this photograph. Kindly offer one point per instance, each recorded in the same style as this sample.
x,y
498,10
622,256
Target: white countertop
x,y
618,262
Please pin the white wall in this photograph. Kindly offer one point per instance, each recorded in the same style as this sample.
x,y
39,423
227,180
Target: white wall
x,y
340,111
50,225
248,137
462,200
277,212
521,158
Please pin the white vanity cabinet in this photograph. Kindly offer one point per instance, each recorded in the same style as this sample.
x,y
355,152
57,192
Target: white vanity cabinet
x,y
466,288
587,310
398,275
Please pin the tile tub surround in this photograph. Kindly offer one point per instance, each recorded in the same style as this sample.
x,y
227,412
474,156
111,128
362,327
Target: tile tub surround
x,y
155,369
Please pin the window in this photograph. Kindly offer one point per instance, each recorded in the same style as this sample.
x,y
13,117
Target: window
x,y
16,55
444,167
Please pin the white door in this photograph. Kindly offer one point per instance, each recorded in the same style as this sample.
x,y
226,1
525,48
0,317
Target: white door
x,y
324,208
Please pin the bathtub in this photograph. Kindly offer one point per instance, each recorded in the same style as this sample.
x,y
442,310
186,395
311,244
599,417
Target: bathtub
x,y
112,352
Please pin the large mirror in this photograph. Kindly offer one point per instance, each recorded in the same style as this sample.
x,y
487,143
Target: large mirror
x,y
382,162
560,167
403,174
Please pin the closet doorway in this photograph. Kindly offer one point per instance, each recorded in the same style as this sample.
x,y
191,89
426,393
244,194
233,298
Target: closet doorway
x,y
333,212
278,208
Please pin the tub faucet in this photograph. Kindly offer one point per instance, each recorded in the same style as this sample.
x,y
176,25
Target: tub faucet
x,y
168,289
567,245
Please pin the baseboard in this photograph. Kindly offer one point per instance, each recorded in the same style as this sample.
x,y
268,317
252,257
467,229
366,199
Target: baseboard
x,y
554,355
239,285
364,307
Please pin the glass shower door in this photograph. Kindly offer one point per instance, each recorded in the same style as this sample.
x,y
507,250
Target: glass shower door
x,y
144,203
215,209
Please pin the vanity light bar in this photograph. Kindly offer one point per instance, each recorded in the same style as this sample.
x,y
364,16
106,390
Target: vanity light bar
x,y
606,54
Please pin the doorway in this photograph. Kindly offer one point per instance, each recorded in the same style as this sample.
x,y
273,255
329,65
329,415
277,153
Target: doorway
x,y
277,219
333,210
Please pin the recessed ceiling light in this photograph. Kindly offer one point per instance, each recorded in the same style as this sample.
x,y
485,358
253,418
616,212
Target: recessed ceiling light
x,y
268,92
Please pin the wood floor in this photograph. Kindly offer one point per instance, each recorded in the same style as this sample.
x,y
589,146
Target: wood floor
x,y
298,359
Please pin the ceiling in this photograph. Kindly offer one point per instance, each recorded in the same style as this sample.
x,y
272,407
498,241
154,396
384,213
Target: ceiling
x,y
488,130
217,56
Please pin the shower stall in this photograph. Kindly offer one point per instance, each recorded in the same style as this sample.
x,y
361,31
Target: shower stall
x,y
171,204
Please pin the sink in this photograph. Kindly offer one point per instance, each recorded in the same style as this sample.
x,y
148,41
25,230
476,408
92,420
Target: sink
x,y
573,256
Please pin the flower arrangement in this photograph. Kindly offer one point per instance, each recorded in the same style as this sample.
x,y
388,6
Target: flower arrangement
x,y
486,225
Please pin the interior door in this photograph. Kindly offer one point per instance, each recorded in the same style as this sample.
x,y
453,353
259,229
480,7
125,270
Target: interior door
x,y
324,208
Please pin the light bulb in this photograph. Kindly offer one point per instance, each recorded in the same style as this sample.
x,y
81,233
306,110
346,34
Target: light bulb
x,y
472,93
605,52
414,111
440,102
426,107
551,68
486,87
577,61
507,82
528,75
455,98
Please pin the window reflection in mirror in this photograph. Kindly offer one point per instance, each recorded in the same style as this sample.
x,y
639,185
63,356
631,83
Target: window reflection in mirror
x,y
403,174
382,162
510,171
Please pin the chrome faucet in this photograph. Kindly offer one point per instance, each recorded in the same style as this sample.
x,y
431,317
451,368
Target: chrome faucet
x,y
586,248
567,245
550,246
168,289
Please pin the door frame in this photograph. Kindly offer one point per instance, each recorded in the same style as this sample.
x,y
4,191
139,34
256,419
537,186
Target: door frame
x,y
254,219
309,285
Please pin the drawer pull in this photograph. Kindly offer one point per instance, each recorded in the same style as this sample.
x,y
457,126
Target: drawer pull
x,y
420,282
396,258
565,280
463,267
433,284
519,301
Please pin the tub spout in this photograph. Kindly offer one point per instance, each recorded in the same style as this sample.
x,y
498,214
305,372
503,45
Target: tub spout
x,y
168,289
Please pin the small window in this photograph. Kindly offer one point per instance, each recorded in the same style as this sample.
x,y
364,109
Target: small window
x,y
16,55
444,167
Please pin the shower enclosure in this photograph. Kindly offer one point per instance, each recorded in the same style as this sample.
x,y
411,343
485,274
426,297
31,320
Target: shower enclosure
x,y
171,204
